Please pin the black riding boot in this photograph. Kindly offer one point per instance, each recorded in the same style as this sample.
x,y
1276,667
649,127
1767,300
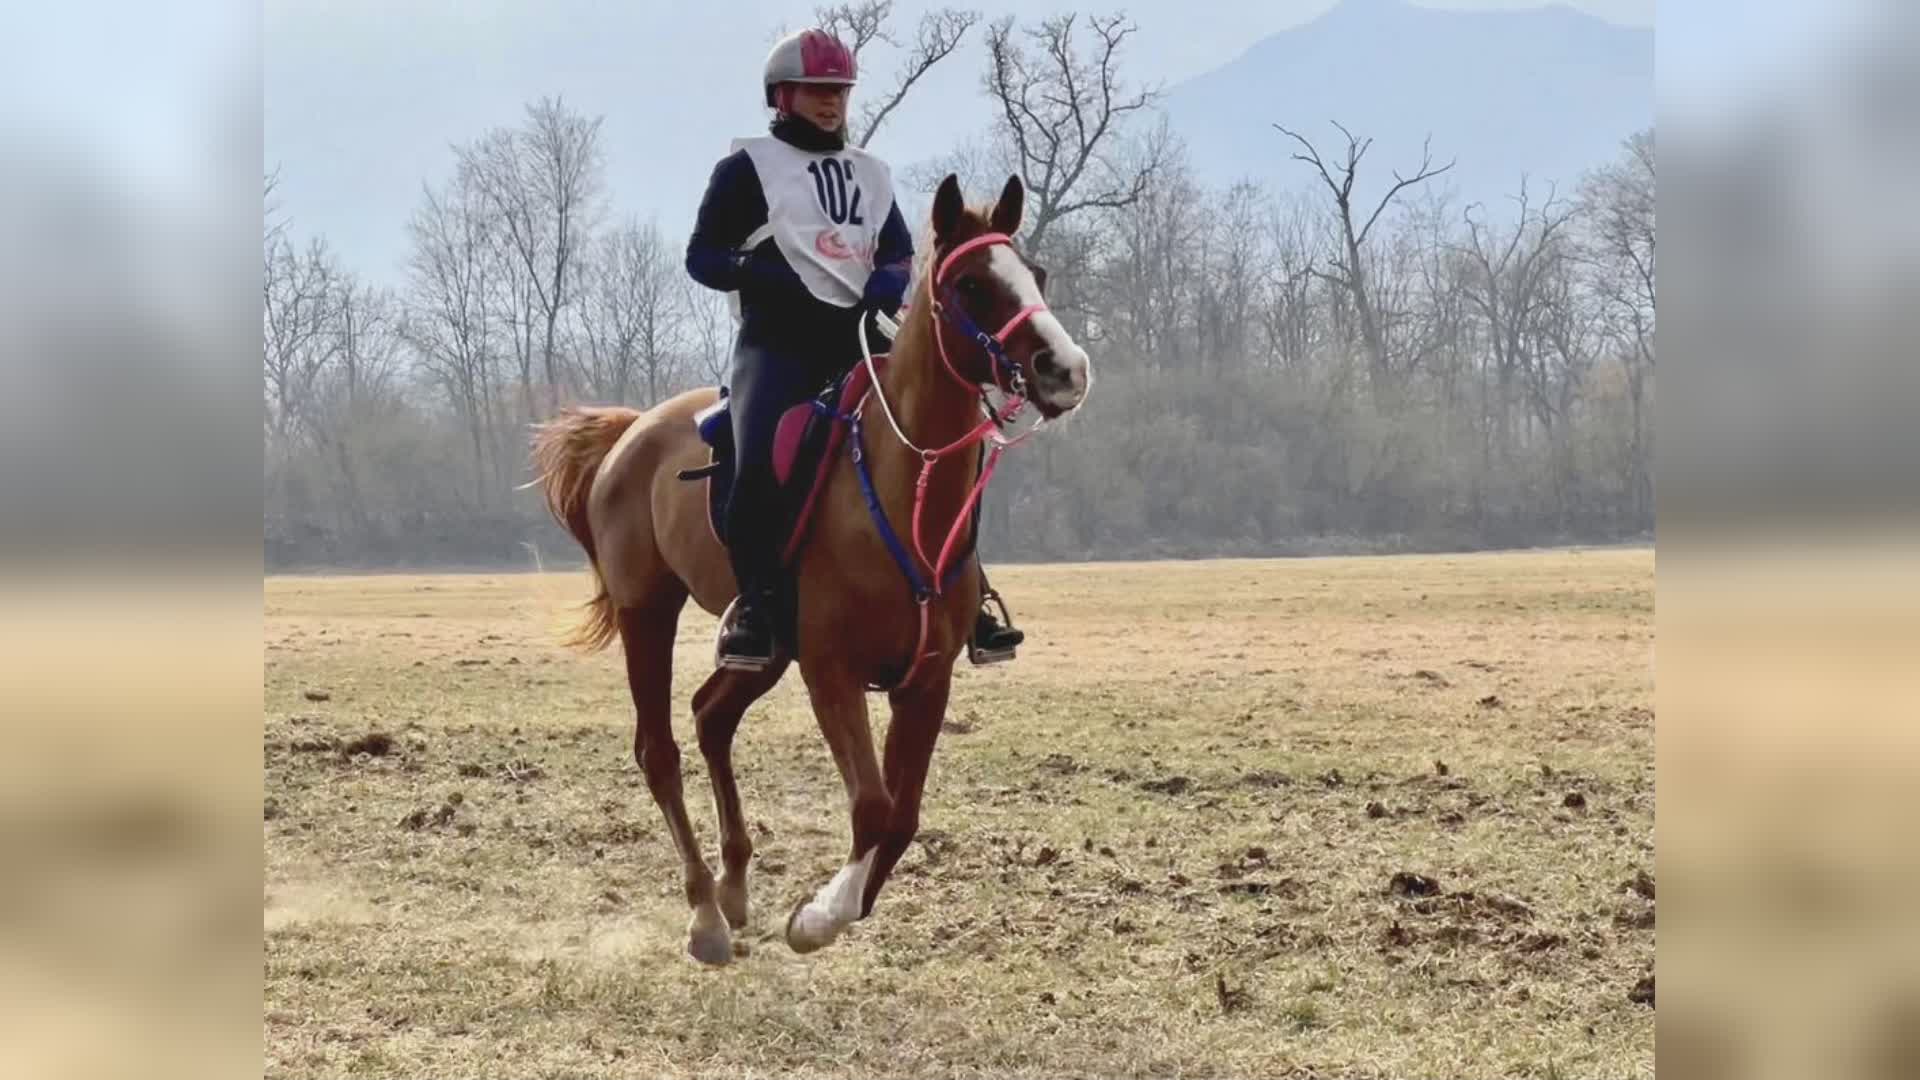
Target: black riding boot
x,y
747,638
993,642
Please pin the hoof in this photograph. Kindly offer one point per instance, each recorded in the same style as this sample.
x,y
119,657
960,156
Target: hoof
x,y
707,938
810,929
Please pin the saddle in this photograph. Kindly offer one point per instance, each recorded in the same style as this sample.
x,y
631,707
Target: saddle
x,y
804,444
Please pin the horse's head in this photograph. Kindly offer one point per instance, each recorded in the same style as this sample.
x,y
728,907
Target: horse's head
x,y
990,305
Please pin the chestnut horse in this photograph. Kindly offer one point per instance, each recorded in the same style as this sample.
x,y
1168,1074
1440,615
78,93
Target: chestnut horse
x,y
610,476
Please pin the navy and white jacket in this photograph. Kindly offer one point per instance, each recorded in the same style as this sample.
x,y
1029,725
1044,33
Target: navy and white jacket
x,y
735,206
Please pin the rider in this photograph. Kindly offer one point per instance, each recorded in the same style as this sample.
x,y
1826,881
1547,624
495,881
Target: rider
x,y
805,229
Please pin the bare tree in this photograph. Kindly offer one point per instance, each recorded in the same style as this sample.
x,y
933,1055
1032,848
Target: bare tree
x,y
1618,246
982,163
631,315
275,224
298,293
709,332
448,324
543,182
1508,274
367,322
859,25
1348,264
1063,109
1288,314
1149,290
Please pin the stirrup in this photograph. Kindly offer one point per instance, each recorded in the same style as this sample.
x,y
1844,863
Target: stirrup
x,y
736,661
979,656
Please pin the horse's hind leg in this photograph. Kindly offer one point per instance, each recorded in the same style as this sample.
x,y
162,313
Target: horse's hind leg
x,y
717,708
647,634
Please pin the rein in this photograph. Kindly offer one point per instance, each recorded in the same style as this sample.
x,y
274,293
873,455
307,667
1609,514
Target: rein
x,y
1007,376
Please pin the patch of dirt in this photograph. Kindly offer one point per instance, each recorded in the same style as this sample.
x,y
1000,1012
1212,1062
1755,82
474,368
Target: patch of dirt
x,y
1263,779
1642,884
1542,942
1505,907
1642,992
1574,801
317,695
1286,888
1062,764
373,744
1641,918
1408,884
1432,677
1172,785
422,818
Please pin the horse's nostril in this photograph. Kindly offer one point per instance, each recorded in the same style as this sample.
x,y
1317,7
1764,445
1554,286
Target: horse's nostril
x,y
1045,364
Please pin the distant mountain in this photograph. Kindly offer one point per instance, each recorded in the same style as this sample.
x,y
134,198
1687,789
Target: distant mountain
x,y
1545,91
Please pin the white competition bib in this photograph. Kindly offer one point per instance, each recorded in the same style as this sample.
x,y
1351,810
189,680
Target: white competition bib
x,y
824,210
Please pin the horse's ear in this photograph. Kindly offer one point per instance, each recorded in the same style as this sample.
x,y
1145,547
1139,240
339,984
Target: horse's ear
x,y
1013,201
947,205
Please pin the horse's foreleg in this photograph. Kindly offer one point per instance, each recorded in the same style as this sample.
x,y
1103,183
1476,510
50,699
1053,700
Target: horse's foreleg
x,y
717,708
917,714
840,705
647,637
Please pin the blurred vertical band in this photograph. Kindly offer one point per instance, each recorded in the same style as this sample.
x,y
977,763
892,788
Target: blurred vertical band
x,y
1789,582
130,457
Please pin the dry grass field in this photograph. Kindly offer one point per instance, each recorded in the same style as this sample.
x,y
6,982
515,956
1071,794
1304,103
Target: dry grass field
x,y
1331,817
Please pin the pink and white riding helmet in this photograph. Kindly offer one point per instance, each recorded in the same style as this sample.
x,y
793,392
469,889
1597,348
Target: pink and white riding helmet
x,y
808,56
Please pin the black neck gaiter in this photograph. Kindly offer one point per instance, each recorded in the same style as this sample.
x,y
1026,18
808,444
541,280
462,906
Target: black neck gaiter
x,y
798,131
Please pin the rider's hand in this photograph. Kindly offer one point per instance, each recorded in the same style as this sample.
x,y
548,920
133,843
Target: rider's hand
x,y
764,270
884,293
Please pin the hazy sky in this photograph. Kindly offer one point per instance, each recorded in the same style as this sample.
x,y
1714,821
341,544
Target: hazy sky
x,y
363,97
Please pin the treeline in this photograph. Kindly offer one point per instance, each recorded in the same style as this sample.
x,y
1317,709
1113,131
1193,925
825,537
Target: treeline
x,y
1344,359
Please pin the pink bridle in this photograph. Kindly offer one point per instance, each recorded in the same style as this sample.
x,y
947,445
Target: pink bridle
x,y
1013,384
995,344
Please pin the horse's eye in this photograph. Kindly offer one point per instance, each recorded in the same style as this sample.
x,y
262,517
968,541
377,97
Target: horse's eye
x,y
971,288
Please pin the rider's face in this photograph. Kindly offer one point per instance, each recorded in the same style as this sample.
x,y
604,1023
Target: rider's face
x,y
822,105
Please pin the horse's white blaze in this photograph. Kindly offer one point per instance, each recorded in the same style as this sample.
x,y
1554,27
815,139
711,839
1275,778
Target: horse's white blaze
x,y
1006,266
837,904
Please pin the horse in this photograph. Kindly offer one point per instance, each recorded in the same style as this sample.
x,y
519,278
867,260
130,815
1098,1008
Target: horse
x,y
868,616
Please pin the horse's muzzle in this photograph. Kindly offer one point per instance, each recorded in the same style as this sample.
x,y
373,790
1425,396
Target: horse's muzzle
x,y
1061,378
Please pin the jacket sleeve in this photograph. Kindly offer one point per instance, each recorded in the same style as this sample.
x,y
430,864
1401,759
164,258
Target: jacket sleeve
x,y
892,265
731,209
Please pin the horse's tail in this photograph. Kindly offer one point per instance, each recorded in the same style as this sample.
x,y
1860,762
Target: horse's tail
x,y
567,452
